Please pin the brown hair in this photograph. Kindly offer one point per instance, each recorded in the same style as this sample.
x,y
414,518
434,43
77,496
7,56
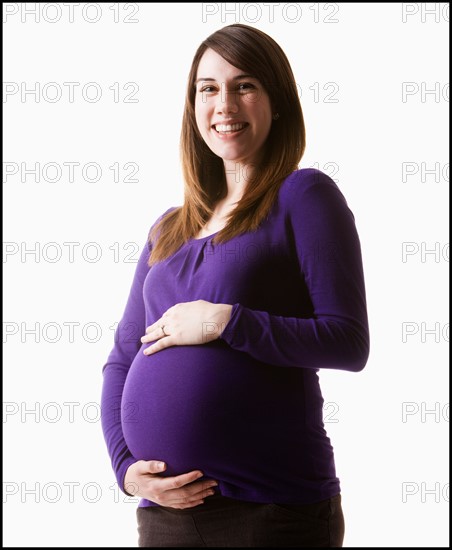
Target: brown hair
x,y
256,53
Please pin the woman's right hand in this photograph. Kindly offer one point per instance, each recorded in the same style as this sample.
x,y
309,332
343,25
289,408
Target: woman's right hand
x,y
180,491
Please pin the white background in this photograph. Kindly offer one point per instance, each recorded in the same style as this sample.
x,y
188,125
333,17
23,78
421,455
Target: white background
x,y
393,468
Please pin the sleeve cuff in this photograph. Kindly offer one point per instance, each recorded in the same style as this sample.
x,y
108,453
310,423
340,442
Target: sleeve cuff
x,y
122,474
228,333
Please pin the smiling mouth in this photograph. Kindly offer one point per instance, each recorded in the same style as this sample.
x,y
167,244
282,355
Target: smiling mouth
x,y
228,129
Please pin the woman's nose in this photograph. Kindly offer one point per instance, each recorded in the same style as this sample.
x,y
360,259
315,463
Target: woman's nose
x,y
227,101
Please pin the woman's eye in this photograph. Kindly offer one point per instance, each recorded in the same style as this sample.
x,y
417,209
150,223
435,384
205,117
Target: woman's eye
x,y
207,89
245,86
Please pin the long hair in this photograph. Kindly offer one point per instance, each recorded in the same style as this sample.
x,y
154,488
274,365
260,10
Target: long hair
x,y
256,53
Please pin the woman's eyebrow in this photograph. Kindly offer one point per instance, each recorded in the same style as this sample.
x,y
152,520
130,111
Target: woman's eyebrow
x,y
238,77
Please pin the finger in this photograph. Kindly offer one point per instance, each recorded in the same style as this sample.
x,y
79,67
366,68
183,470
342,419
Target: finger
x,y
161,344
187,500
189,494
152,335
155,325
192,497
153,467
177,482
185,506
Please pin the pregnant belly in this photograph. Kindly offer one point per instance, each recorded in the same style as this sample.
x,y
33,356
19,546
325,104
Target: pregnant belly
x,y
197,406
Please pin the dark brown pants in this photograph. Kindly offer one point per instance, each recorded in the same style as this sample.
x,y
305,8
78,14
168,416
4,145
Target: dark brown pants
x,y
228,523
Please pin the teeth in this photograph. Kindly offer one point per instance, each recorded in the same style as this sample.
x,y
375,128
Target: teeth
x,y
229,127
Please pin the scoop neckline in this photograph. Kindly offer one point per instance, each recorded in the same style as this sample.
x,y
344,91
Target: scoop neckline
x,y
204,238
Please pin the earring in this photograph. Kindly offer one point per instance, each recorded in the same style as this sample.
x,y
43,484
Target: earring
x,y
276,116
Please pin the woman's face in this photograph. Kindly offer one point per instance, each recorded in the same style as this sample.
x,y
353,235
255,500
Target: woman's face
x,y
233,111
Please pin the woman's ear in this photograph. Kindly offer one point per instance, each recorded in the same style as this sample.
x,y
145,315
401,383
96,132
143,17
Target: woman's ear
x,y
274,108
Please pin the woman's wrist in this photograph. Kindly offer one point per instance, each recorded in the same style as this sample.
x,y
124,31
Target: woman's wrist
x,y
224,317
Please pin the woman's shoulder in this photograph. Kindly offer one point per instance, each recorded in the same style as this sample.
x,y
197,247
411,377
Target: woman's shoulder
x,y
157,221
304,178
309,185
168,211
308,190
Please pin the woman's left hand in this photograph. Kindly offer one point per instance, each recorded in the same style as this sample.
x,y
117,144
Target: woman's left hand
x,y
188,323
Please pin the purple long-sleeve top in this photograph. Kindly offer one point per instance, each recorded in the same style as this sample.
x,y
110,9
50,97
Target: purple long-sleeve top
x,y
246,408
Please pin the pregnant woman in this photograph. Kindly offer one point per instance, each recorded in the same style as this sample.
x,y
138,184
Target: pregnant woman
x,y
211,404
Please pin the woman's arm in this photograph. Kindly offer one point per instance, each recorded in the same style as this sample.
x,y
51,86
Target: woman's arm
x,y
326,243
127,344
